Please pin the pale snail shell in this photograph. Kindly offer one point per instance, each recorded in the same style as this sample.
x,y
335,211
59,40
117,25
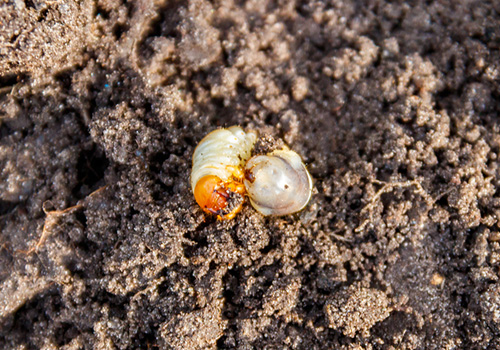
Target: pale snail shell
x,y
277,183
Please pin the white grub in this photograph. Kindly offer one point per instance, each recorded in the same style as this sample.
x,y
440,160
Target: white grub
x,y
278,183
222,152
217,173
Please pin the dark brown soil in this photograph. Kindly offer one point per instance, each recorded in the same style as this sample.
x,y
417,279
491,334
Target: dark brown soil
x,y
394,106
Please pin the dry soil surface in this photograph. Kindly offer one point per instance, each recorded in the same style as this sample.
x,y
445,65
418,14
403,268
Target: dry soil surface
x,y
394,106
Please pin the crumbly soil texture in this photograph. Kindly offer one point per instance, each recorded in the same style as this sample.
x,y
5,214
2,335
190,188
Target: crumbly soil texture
x,y
394,107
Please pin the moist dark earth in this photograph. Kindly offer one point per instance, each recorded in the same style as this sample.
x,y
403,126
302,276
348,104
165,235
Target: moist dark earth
x,y
393,106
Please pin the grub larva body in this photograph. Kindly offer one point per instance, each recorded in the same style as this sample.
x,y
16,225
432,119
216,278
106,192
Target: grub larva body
x,y
217,173
278,183
223,173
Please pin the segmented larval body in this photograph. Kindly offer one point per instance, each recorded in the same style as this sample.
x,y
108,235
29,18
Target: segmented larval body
x,y
217,173
278,183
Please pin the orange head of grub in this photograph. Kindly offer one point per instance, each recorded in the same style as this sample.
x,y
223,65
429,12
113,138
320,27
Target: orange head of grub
x,y
214,196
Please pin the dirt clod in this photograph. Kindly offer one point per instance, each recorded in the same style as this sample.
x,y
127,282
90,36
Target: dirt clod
x,y
357,309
